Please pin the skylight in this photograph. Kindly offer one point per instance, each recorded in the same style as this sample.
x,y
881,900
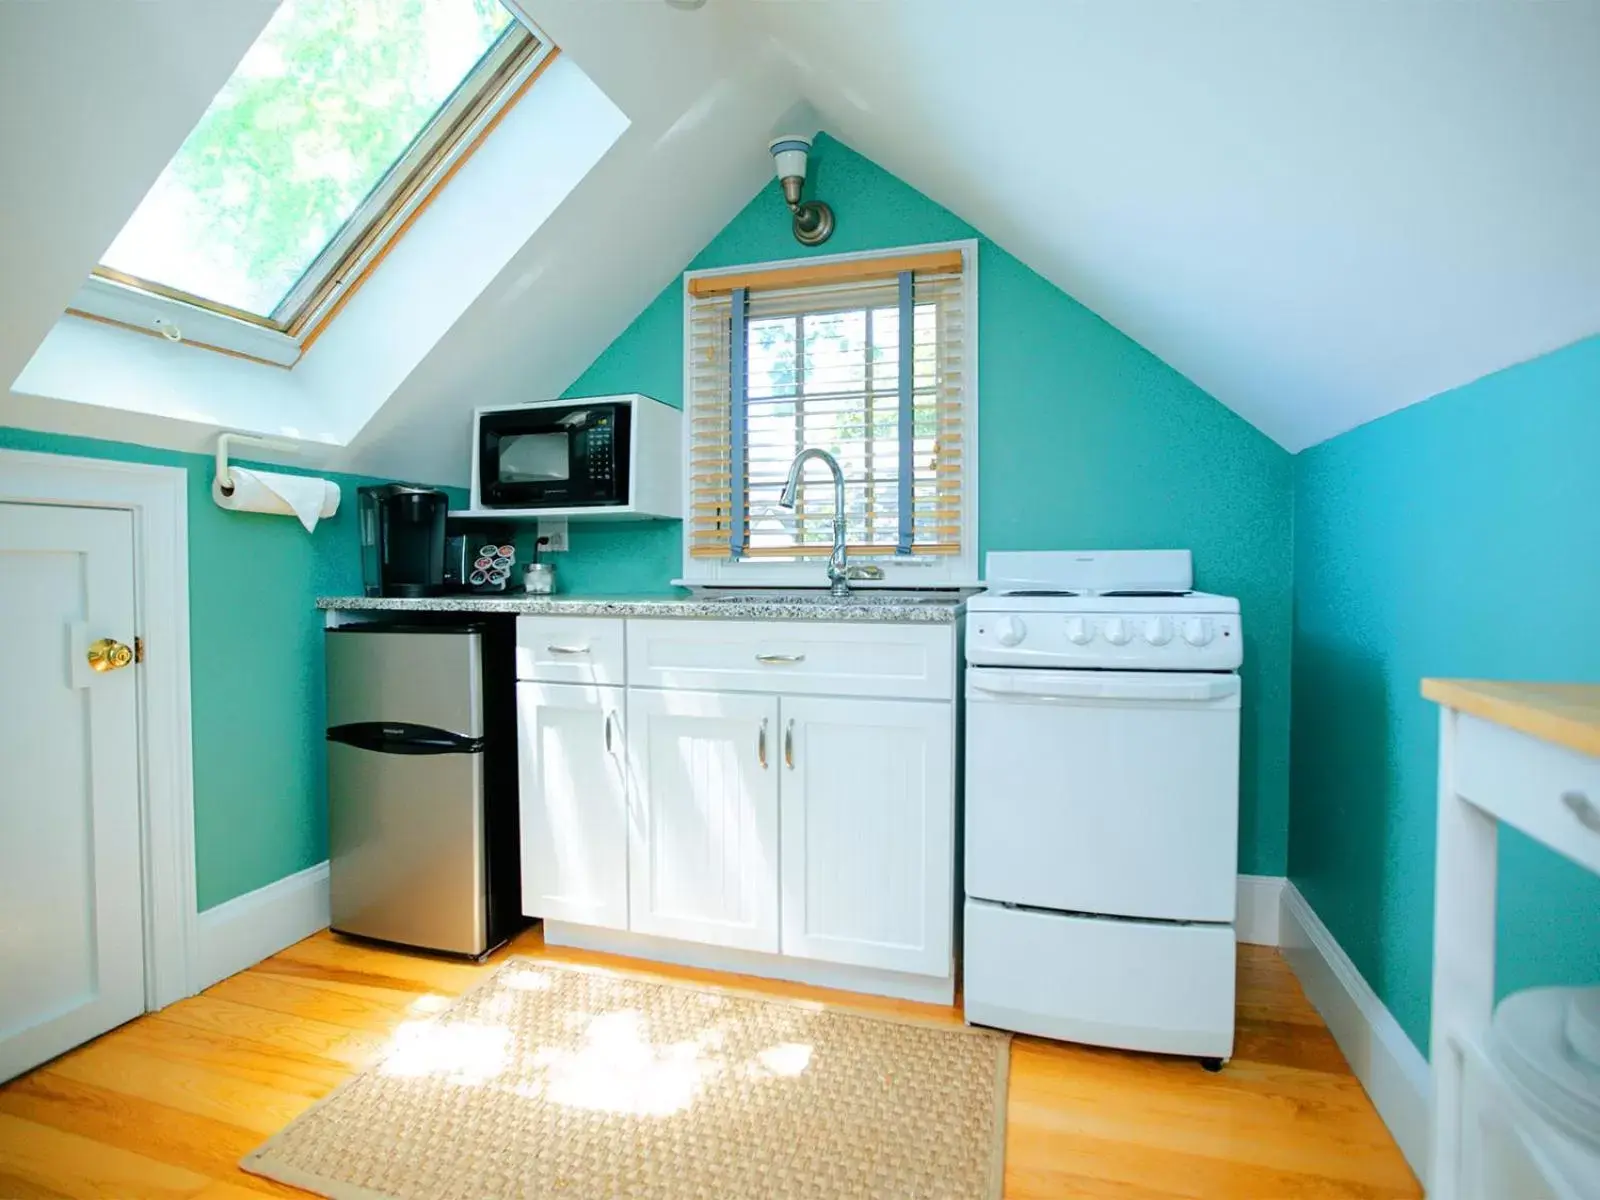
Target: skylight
x,y
338,123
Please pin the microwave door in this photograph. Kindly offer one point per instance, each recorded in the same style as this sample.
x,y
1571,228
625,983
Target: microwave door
x,y
555,457
536,458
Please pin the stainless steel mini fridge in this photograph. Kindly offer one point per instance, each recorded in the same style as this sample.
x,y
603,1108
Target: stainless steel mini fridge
x,y
417,787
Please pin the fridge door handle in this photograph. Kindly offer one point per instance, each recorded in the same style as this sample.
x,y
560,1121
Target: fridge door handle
x,y
400,737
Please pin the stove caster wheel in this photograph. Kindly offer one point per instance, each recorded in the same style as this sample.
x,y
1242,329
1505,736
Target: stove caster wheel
x,y
1211,1064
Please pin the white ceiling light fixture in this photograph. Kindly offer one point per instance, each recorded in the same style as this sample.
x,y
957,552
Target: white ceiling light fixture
x,y
813,220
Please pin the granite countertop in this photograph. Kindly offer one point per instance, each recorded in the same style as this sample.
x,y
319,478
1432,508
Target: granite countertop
x,y
941,608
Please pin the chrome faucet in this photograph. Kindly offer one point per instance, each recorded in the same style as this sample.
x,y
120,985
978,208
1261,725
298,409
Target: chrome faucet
x,y
838,571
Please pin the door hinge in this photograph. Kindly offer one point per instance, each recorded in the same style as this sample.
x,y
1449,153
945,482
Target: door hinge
x,y
138,650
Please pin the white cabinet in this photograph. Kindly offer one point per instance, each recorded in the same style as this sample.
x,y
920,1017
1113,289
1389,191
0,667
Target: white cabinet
x,y
781,791
703,835
570,740
1526,755
867,832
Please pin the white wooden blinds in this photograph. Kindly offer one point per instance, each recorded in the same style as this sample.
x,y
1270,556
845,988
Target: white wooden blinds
x,y
816,355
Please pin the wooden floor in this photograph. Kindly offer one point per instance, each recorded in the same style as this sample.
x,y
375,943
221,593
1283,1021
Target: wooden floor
x,y
165,1106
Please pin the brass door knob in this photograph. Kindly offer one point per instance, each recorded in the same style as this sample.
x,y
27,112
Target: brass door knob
x,y
108,654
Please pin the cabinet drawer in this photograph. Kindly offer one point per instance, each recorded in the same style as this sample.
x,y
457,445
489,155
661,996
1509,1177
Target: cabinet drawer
x,y
570,650
798,657
1549,792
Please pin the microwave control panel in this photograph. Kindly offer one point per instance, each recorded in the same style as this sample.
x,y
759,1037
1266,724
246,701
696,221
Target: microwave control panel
x,y
596,446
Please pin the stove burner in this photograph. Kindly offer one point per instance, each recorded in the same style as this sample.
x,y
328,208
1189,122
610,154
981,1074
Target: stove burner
x,y
1041,592
1148,595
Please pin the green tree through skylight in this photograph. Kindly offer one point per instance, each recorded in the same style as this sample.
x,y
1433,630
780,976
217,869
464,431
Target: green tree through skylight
x,y
327,99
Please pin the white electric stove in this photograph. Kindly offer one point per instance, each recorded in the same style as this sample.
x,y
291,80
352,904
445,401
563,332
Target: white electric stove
x,y
1102,801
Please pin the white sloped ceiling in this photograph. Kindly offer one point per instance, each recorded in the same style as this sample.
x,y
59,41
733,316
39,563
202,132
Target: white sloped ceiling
x,y
1319,212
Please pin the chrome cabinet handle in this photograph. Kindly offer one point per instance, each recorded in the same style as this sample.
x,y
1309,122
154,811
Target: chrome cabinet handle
x,y
775,659
608,732
567,649
1583,808
788,745
761,744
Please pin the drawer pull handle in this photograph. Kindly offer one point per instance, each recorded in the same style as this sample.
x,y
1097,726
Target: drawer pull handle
x,y
761,744
567,649
780,659
1583,808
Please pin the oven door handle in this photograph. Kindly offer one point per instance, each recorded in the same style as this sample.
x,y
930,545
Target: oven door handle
x,y
1072,686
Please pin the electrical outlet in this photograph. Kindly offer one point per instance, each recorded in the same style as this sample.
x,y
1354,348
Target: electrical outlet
x,y
554,528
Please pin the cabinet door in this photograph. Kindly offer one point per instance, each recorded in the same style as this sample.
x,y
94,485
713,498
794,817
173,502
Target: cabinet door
x,y
703,832
868,815
574,803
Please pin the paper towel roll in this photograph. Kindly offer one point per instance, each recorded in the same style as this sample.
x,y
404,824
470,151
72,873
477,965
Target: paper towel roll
x,y
305,496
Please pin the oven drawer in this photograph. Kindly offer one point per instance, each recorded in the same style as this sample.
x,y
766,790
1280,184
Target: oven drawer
x,y
907,662
1133,984
586,650
1111,792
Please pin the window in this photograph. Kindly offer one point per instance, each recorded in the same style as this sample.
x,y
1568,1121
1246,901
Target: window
x,y
334,129
865,357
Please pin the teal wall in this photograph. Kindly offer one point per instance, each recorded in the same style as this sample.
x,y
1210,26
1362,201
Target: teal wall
x,y
1086,441
1457,537
255,660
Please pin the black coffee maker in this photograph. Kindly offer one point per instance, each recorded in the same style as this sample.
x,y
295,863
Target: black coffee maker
x,y
402,539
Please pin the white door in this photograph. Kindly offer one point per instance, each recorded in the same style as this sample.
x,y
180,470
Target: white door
x,y
574,803
703,826
868,828
71,908
1110,792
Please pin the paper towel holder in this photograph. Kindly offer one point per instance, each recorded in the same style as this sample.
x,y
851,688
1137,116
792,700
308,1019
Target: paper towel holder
x,y
225,440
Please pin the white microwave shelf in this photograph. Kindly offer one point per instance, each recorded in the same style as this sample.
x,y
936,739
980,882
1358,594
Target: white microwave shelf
x,y
1517,1151
651,462
612,512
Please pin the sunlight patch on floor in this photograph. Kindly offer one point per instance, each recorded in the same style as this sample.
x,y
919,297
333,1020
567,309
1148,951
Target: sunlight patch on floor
x,y
615,1068
460,1051
785,1060
608,1064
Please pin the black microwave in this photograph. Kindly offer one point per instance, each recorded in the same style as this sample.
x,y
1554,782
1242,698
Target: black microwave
x,y
553,455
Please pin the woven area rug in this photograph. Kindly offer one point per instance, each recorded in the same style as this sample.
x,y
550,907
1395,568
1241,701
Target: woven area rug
x,y
557,1082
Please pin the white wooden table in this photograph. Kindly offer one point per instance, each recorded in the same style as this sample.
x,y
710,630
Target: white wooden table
x,y
1527,755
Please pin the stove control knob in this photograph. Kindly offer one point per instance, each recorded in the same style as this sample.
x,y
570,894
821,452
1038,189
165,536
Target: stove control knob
x,y
1117,632
1158,631
1010,631
1197,631
1079,631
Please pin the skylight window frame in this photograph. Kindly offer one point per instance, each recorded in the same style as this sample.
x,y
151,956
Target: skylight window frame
x,y
500,78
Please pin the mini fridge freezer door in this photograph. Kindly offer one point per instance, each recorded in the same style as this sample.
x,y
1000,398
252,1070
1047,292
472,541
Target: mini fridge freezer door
x,y
411,676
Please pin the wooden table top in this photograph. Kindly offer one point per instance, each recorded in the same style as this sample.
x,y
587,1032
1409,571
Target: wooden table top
x,y
1567,714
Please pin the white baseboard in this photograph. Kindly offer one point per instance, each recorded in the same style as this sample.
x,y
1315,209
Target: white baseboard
x,y
256,925
1260,897
1393,1071
925,988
